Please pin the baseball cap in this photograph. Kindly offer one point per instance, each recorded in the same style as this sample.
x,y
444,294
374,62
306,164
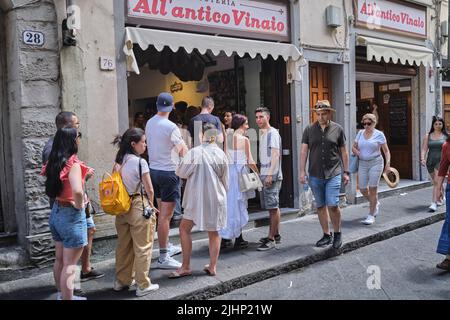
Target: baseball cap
x,y
165,102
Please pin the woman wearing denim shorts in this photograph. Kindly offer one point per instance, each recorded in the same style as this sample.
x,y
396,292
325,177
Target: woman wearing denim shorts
x,y
444,239
65,182
367,147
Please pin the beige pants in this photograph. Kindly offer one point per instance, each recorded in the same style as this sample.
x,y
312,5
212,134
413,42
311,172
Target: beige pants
x,y
134,245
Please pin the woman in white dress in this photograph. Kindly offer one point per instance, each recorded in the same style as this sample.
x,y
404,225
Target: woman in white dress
x,y
205,198
240,157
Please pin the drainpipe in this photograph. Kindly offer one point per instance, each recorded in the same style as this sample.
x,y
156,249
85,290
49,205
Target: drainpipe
x,y
68,27
438,59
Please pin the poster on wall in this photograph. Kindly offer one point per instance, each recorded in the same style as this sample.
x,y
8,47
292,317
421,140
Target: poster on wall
x,y
367,90
243,18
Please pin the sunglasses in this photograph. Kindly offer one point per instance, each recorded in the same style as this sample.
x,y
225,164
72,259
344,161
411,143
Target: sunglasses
x,y
79,135
367,124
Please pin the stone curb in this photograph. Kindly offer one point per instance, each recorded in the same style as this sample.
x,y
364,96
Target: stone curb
x,y
249,279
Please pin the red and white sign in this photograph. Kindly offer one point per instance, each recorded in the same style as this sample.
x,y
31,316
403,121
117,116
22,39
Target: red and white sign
x,y
382,14
264,18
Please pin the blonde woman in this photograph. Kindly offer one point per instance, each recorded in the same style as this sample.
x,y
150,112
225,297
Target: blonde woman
x,y
205,198
367,147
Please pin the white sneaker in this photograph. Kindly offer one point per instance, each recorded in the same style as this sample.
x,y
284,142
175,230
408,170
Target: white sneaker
x,y
59,297
369,220
119,287
440,203
149,289
168,263
377,209
433,207
132,286
173,250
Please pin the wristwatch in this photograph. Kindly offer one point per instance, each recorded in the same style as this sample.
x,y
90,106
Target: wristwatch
x,y
347,172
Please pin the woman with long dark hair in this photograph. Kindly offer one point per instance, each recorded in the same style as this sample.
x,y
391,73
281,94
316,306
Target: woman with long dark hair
x,y
432,148
65,182
135,228
240,156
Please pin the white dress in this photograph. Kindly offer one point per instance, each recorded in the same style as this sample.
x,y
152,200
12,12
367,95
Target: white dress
x,y
237,201
205,197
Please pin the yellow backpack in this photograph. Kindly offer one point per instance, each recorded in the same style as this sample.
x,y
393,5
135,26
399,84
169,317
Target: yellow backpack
x,y
114,197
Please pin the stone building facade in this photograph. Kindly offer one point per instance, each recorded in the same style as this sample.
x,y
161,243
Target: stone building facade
x,y
31,97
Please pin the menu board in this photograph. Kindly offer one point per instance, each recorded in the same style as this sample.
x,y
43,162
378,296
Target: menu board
x,y
398,120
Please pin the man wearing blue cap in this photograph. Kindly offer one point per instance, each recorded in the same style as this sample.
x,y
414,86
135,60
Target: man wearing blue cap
x,y
165,146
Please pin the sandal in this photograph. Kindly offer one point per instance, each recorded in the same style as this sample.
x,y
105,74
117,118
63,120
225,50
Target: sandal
x,y
177,274
209,272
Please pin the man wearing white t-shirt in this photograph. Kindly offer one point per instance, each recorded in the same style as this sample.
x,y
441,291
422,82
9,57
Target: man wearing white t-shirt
x,y
271,175
165,146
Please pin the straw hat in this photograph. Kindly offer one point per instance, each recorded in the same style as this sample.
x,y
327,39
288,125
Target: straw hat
x,y
323,105
387,178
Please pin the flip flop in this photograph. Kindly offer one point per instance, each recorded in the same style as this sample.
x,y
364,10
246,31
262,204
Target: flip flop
x,y
208,272
176,275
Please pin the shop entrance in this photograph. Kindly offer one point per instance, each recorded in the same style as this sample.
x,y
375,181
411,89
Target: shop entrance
x,y
236,84
389,97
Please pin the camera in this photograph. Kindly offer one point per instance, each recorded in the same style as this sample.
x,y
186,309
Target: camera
x,y
148,212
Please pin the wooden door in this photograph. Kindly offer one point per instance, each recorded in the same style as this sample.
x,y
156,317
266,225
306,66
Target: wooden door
x,y
276,97
446,101
319,85
2,228
395,121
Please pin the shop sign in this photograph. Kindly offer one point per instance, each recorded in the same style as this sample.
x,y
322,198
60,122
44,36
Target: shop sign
x,y
242,18
392,16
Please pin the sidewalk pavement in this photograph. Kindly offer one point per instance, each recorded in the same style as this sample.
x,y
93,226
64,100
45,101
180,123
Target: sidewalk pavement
x,y
239,268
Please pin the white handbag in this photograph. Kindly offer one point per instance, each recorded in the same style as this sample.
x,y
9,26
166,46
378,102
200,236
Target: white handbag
x,y
249,181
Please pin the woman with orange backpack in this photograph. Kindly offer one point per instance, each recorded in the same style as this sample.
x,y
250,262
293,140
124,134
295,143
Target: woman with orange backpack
x,y
135,228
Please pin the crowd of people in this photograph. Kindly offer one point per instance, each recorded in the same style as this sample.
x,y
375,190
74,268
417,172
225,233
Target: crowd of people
x,y
209,156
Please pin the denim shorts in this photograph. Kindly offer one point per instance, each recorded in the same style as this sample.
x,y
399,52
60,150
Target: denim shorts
x,y
90,223
166,185
270,196
68,226
326,191
444,238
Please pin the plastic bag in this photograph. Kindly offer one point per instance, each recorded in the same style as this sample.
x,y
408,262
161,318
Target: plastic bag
x,y
306,200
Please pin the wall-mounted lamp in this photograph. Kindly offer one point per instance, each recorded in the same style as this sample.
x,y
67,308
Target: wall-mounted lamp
x,y
333,14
